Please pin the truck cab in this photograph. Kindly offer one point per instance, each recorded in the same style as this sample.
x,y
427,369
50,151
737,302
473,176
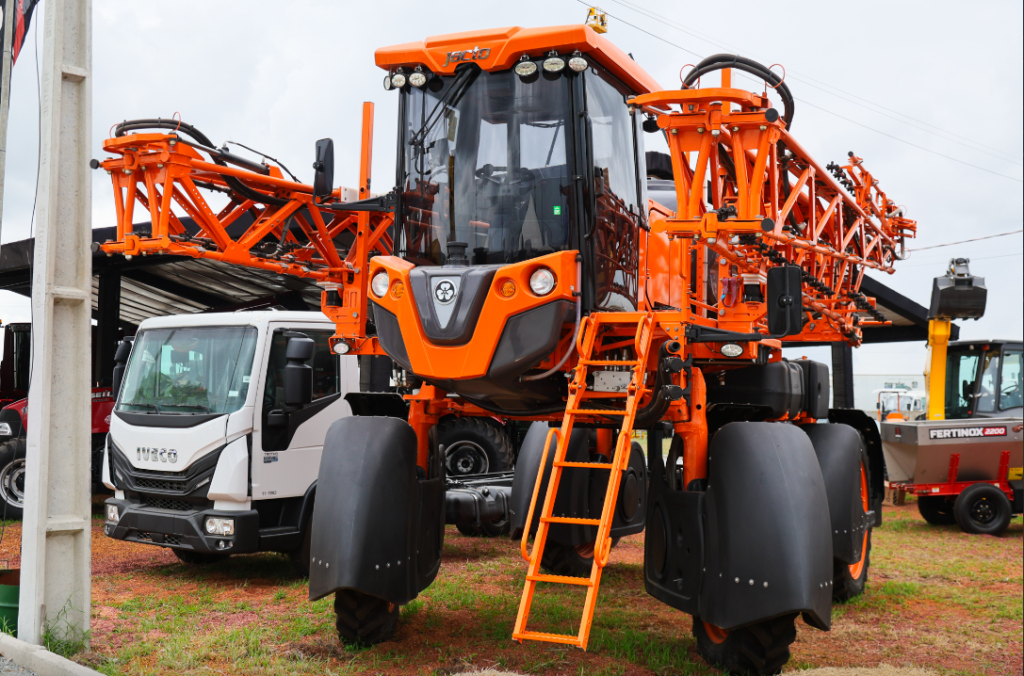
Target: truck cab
x,y
205,455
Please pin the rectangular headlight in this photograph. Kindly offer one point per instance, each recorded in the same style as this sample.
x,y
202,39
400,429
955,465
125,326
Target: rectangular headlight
x,y
113,514
216,525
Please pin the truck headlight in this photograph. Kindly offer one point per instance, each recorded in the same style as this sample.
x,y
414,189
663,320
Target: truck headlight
x,y
113,513
379,284
216,525
5,429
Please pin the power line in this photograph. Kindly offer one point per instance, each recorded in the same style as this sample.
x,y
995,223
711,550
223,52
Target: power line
x,y
824,86
804,101
981,258
964,241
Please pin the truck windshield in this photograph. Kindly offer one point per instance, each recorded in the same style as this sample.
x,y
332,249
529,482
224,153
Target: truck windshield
x,y
485,164
189,370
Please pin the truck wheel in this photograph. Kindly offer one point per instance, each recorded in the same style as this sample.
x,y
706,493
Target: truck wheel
x,y
363,619
754,650
12,478
473,446
936,510
194,558
848,580
982,509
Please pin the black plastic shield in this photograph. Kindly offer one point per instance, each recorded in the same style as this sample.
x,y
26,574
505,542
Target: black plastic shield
x,y
767,540
367,516
840,452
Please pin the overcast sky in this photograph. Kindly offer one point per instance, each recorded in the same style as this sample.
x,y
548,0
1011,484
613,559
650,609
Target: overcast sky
x,y
278,76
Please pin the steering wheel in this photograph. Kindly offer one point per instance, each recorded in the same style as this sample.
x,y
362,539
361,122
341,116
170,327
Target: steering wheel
x,y
486,172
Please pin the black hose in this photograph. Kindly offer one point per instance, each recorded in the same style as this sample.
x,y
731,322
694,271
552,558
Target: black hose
x,y
656,408
187,129
722,61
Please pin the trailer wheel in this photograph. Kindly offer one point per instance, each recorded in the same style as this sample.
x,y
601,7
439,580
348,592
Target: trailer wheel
x,y
754,650
849,580
473,446
362,619
12,479
982,509
936,510
194,558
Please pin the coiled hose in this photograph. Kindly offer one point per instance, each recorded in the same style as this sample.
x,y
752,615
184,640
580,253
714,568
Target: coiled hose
x,y
722,61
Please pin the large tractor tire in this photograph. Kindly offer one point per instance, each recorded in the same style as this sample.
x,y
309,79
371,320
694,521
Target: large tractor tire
x,y
473,446
849,581
364,620
194,558
982,509
755,650
936,510
12,479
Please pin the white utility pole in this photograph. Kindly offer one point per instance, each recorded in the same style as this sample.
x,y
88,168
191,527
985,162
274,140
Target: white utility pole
x,y
55,541
5,92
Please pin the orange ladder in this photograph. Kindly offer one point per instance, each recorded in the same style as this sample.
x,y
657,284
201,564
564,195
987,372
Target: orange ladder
x,y
587,340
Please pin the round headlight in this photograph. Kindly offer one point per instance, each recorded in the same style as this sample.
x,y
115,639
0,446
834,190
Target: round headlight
x,y
211,526
554,64
542,281
398,80
732,350
525,68
379,284
417,79
387,83
341,347
578,64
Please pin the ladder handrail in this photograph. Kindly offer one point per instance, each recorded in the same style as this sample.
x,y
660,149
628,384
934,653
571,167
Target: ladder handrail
x,y
536,491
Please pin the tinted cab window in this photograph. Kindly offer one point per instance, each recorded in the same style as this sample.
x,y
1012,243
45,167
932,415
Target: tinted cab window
x,y
325,380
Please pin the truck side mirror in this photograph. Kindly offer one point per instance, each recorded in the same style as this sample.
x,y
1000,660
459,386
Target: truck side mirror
x,y
323,179
121,354
785,301
298,376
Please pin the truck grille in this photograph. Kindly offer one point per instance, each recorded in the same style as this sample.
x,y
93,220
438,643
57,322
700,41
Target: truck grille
x,y
143,536
169,503
160,485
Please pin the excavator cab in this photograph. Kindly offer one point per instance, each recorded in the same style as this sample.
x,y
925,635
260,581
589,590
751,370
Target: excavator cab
x,y
519,153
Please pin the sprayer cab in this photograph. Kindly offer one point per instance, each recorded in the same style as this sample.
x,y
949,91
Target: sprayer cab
x,y
520,202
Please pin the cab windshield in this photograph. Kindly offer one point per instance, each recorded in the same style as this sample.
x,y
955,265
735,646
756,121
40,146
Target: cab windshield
x,y
485,164
189,370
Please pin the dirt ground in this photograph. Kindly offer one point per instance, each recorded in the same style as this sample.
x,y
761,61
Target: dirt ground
x,y
937,599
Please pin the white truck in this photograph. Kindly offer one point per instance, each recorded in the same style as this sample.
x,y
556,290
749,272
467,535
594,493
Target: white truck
x,y
216,436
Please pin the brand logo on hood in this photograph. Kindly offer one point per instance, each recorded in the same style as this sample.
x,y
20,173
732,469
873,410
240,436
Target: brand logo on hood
x,y
156,454
444,292
475,54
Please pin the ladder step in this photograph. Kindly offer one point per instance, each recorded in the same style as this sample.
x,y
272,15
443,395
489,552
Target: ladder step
x,y
550,638
594,411
569,519
561,579
591,465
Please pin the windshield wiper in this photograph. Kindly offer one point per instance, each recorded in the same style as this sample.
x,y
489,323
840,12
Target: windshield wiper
x,y
205,408
152,406
450,98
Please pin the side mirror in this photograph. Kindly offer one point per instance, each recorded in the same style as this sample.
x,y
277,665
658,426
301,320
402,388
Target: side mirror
x,y
298,377
121,354
785,301
323,179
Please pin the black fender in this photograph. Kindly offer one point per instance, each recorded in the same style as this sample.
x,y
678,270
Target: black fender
x,y
840,452
377,527
580,491
768,545
868,428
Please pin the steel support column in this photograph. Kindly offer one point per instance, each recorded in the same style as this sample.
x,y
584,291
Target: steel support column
x,y
55,565
842,375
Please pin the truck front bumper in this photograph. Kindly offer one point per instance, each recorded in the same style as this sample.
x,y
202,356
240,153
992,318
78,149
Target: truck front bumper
x,y
183,530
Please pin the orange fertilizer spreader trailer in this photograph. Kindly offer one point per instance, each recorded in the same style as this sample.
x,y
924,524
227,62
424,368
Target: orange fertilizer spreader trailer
x,y
520,269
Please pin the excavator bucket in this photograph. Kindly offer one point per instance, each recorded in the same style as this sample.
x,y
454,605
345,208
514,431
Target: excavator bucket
x,y
958,294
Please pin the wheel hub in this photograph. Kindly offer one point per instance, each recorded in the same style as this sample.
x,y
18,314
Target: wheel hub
x,y
12,482
466,457
982,512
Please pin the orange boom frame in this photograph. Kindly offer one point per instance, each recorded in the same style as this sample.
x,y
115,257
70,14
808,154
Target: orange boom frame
x,y
750,199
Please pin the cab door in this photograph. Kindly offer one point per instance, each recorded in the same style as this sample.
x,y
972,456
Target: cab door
x,y
286,457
